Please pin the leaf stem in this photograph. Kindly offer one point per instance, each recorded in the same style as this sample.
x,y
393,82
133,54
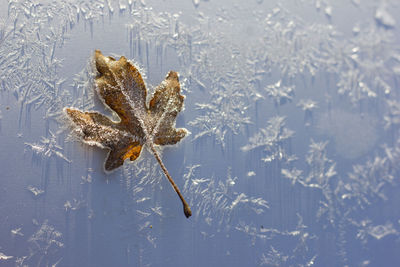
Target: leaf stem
x,y
186,208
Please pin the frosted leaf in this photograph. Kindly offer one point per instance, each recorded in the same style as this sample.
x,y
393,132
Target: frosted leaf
x,y
121,87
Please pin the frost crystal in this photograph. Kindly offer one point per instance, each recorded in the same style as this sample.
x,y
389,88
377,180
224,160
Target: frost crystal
x,y
272,139
383,17
45,247
35,191
215,199
48,148
5,257
279,93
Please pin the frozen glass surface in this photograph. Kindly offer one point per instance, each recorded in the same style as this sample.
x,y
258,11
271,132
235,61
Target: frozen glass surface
x,y
293,156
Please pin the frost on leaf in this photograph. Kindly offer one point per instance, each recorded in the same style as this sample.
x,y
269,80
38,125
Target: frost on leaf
x,y
121,87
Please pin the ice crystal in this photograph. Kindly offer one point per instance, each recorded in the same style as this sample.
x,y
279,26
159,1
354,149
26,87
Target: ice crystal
x,y
279,93
45,247
221,116
298,254
367,229
83,83
367,182
352,83
35,191
308,106
74,205
17,232
30,66
5,257
272,139
141,175
363,64
383,17
294,175
322,169
392,116
48,148
215,199
294,46
223,72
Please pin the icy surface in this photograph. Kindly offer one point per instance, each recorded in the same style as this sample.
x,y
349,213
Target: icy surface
x,y
293,157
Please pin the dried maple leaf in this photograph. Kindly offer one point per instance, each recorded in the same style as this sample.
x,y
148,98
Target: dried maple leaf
x,y
121,87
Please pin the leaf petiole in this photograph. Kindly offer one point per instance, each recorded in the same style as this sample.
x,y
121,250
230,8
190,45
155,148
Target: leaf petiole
x,y
186,208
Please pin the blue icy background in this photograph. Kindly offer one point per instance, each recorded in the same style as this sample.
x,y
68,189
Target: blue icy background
x,y
293,157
